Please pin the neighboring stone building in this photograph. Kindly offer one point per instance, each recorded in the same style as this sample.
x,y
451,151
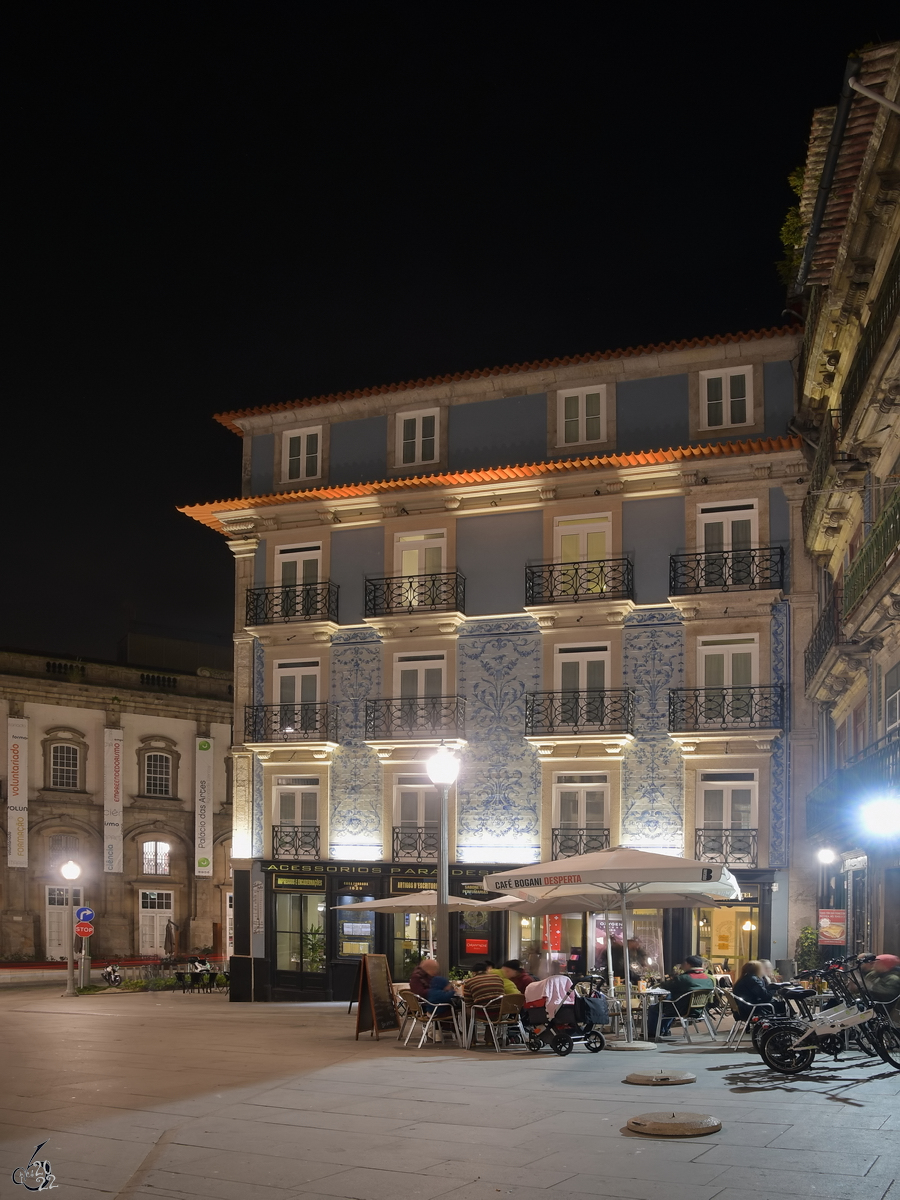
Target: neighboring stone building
x,y
850,411
123,769
607,631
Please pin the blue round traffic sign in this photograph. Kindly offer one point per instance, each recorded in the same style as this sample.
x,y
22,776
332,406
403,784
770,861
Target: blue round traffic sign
x,y
84,914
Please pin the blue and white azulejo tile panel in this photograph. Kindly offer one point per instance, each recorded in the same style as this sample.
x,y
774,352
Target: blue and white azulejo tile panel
x,y
356,800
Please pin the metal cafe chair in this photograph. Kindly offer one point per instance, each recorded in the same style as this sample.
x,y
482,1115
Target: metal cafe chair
x,y
431,1020
741,1023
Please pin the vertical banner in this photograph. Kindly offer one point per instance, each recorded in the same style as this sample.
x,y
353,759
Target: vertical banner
x,y
203,824
113,754
17,800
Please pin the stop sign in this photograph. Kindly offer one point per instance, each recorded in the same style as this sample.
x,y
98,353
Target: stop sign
x,y
84,929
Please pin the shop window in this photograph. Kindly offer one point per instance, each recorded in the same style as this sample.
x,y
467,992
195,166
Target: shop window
x,y
300,932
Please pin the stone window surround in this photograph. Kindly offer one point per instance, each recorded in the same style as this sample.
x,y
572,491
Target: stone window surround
x,y
756,398
64,735
394,449
557,449
157,744
279,466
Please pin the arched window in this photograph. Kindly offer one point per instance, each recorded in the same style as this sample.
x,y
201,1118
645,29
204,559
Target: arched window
x,y
155,858
158,767
63,846
65,753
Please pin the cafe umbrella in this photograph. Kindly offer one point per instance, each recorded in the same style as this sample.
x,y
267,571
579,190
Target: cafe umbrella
x,y
626,875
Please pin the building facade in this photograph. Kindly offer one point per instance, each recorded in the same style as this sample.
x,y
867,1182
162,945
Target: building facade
x,y
587,576
849,411
124,770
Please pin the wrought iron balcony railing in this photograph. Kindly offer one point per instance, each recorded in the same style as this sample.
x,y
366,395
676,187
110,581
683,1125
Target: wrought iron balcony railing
x,y
560,583
829,631
823,459
569,842
418,843
416,593
878,327
295,841
727,571
295,602
877,552
574,714
290,723
717,708
739,847
873,772
424,717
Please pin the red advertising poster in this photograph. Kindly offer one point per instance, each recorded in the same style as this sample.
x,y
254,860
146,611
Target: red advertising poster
x,y
832,926
476,945
552,939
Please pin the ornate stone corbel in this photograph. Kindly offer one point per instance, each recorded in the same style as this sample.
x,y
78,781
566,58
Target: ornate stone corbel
x,y
547,493
616,485
452,502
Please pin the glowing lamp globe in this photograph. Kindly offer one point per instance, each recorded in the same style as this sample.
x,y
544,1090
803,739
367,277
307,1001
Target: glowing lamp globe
x,y
443,767
882,817
826,856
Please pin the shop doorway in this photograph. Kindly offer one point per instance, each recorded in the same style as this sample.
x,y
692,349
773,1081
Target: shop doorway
x,y
728,937
58,920
300,940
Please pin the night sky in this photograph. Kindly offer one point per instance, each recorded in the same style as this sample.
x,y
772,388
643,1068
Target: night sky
x,y
214,206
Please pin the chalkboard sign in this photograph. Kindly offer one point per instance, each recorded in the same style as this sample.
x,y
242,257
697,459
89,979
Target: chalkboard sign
x,y
376,1010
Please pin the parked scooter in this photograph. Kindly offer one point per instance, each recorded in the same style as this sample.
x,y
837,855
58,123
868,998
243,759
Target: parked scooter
x,y
110,975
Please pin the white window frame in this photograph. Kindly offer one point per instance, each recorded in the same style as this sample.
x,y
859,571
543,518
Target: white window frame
x,y
580,394
585,782
298,555
303,458
163,906
582,653
58,771
296,668
420,540
69,848
713,514
421,784
56,903
301,784
152,754
431,660
167,863
742,643
418,416
582,523
892,698
708,781
726,374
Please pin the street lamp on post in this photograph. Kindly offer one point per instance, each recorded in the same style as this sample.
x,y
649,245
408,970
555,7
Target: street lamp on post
x,y
443,768
70,872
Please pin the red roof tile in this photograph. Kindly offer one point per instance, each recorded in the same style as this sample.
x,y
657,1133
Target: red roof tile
x,y
228,418
209,514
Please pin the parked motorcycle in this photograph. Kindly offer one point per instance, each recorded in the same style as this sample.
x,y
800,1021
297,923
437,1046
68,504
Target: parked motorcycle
x,y
110,975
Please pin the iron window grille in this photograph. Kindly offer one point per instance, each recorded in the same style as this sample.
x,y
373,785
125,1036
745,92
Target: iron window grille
x,y
569,842
736,846
416,843
295,841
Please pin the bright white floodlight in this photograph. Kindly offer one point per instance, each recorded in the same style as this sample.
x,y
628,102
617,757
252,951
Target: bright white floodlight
x,y
882,817
443,767
70,870
826,855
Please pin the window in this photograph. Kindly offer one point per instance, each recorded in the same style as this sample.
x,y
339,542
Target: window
x,y
301,454
727,800
158,767
158,775
582,539
155,858
725,533
581,674
297,800
297,565
155,912
419,675
728,671
581,415
860,720
579,802
63,846
64,766
416,802
417,437
416,556
726,398
297,692
892,697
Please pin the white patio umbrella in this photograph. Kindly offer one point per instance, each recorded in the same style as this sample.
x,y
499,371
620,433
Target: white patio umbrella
x,y
625,874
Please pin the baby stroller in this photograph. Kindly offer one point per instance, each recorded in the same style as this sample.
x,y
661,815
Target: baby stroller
x,y
574,1021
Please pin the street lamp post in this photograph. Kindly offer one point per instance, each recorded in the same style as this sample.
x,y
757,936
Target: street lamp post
x,y
70,872
443,769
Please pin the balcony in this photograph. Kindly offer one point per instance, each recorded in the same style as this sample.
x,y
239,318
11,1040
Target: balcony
x,y
604,718
829,632
295,841
313,724
728,571
878,551
878,328
423,721
568,583
569,842
297,602
754,714
831,808
734,847
416,594
416,843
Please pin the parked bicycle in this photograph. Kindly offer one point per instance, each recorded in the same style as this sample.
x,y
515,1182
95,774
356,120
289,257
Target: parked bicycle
x,y
789,1044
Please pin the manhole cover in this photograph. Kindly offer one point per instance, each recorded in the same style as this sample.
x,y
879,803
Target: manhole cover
x,y
661,1078
632,1046
670,1124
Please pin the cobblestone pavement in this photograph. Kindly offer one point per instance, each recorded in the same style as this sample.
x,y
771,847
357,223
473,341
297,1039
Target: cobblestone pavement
x,y
170,1095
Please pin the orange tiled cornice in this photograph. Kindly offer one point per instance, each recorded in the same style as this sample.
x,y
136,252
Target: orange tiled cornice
x,y
723,339
209,514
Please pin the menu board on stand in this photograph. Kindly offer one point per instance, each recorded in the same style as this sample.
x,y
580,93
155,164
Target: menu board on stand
x,y
375,1010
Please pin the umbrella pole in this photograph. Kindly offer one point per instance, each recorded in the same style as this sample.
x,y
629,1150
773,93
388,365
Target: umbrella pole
x,y
629,1022
609,962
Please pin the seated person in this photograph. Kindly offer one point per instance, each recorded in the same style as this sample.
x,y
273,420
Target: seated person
x,y
752,987
550,992
440,992
484,987
513,970
509,987
693,978
883,984
420,980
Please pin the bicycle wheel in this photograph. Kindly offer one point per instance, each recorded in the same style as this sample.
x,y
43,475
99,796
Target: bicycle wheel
x,y
862,1036
758,1028
886,1040
563,1044
595,1042
779,1052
